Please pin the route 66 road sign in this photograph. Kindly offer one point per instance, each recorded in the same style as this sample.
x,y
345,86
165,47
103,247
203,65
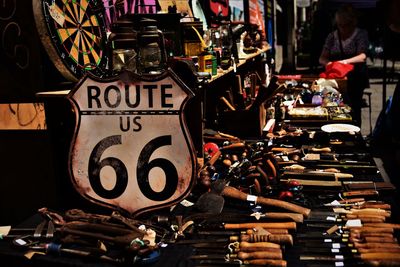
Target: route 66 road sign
x,y
131,149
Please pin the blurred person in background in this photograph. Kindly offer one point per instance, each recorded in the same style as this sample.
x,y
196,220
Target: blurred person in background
x,y
348,44
385,141
321,26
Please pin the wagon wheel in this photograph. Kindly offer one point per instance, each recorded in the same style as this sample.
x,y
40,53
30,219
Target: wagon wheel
x,y
73,33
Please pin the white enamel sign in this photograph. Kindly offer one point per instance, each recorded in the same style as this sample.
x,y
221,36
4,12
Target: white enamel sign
x,y
131,148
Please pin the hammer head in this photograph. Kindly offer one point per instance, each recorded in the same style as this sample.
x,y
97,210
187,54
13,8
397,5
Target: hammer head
x,y
210,202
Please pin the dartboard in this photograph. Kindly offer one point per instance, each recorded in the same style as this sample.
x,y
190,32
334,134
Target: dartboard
x,y
73,33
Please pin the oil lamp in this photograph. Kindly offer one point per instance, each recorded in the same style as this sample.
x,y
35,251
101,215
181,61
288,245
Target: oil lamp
x,y
123,45
152,55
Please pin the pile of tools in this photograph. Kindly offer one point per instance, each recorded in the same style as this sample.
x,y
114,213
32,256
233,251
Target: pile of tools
x,y
114,238
250,243
253,205
332,190
351,233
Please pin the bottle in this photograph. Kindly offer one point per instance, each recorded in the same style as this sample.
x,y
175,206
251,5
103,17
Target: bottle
x,y
206,62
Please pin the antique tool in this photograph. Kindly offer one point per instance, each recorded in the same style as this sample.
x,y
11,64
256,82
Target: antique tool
x,y
316,183
235,193
237,262
296,217
364,211
58,249
355,169
212,201
347,164
359,203
363,256
125,240
29,240
340,215
248,231
394,226
347,251
349,245
273,255
255,246
285,239
344,233
267,225
354,193
320,175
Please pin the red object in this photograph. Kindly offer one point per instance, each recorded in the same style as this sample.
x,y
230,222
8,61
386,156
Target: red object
x,y
211,148
289,77
292,183
336,70
219,8
285,195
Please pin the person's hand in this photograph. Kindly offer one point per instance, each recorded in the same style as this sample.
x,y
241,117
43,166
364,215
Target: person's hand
x,y
344,61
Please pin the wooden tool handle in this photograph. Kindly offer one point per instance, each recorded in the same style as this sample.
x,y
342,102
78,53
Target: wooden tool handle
x,y
369,192
375,250
370,234
368,219
371,211
343,175
271,231
296,217
386,263
257,186
351,200
271,168
214,158
378,218
253,249
266,262
245,244
283,149
383,225
381,256
280,225
281,239
233,146
322,149
285,239
235,193
284,205
376,245
260,255
376,239
263,174
377,206
367,230
227,104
